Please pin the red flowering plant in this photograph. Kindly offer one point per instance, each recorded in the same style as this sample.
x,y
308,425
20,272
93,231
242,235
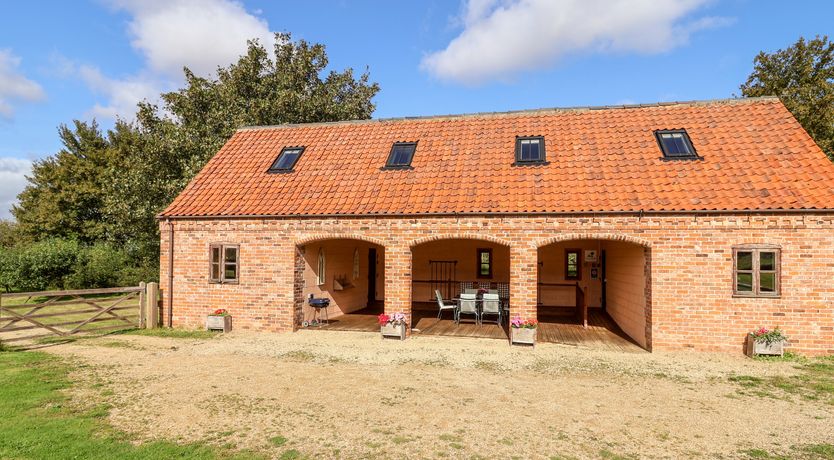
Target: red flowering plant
x,y
768,336
394,319
219,312
519,323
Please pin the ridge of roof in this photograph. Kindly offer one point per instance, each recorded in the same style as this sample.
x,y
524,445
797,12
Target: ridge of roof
x,y
701,102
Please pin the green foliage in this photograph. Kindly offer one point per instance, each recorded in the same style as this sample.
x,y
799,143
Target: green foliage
x,y
802,75
109,187
66,264
10,235
768,336
45,264
38,423
65,194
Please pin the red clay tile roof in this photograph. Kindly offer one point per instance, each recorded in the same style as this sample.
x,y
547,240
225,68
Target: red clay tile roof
x,y
755,157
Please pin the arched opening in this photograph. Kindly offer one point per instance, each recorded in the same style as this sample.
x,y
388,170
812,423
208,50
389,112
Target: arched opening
x,y
452,266
595,289
350,274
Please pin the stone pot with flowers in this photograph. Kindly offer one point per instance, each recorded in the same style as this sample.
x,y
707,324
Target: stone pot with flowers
x,y
764,341
523,331
219,320
392,325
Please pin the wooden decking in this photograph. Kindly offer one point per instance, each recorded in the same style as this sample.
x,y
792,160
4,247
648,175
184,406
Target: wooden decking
x,y
555,325
559,325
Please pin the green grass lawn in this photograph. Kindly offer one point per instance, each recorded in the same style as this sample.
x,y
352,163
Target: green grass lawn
x,y
37,422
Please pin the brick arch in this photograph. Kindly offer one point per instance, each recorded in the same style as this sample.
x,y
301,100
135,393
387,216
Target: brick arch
x,y
593,236
337,236
458,236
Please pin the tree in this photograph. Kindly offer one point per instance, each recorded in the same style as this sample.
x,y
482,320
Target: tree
x,y
169,144
802,75
109,188
65,194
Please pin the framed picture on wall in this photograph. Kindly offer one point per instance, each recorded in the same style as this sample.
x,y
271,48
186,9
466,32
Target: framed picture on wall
x,y
590,255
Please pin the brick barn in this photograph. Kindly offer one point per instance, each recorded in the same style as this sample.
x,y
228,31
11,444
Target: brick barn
x,y
667,226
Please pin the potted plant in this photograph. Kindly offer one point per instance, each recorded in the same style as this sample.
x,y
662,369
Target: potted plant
x,y
523,331
392,325
219,320
765,341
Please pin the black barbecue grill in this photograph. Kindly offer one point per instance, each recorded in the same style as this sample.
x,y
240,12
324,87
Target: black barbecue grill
x,y
320,305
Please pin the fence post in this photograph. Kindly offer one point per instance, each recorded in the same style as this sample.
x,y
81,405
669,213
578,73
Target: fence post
x,y
142,317
151,305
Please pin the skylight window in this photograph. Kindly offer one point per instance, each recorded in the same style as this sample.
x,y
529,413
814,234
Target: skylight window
x,y
401,155
676,145
286,159
529,150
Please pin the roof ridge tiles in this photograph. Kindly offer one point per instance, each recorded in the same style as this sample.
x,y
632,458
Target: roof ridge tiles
x,y
701,102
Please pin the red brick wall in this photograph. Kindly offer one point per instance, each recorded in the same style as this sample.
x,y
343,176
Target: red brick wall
x,y
689,277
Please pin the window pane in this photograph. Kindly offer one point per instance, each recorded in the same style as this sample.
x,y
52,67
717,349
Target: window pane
x,y
767,282
744,282
231,255
744,260
215,255
529,150
484,257
767,261
401,154
230,272
484,270
215,271
286,159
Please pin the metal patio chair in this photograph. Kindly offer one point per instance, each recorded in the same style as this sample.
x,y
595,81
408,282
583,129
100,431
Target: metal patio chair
x,y
491,305
469,306
443,306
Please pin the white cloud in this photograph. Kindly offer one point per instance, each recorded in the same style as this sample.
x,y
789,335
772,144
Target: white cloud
x,y
13,173
500,38
200,34
14,86
122,94
170,35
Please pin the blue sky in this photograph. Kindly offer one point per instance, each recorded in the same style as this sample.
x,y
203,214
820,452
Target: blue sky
x,y
61,61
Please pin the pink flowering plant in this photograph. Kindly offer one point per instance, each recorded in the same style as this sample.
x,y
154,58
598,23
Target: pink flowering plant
x,y
768,336
394,319
519,323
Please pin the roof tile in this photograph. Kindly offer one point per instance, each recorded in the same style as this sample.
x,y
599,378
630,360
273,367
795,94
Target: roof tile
x,y
755,157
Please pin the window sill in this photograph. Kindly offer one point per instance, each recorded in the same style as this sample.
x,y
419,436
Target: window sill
x,y
756,296
223,282
530,163
280,171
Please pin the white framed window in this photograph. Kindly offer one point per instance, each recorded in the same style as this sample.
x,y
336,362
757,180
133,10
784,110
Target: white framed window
x,y
321,272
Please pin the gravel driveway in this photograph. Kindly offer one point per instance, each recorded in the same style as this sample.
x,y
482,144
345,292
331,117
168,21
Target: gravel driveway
x,y
352,395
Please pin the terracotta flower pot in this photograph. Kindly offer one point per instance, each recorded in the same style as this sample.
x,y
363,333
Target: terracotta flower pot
x,y
219,323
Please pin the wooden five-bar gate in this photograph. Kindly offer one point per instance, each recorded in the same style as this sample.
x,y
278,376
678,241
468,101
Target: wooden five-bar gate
x,y
28,316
